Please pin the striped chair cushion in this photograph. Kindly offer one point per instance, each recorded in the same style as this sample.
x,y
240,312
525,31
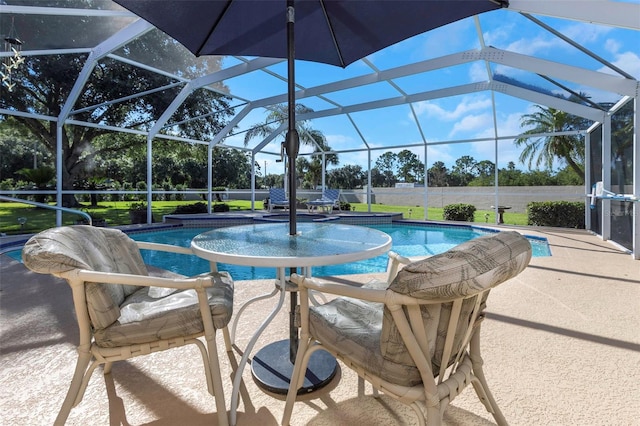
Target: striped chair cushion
x,y
353,328
87,247
160,320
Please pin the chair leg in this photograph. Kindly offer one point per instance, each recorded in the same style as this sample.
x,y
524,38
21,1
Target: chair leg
x,y
75,389
218,390
432,420
207,365
480,385
482,390
433,414
242,390
228,344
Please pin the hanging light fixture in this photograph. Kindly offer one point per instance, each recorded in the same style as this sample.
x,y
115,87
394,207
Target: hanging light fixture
x,y
11,62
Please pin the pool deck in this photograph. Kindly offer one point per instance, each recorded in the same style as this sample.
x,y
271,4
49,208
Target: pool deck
x,y
561,346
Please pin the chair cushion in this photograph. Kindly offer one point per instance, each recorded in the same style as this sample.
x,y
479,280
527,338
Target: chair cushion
x,y
353,327
462,272
92,248
160,320
466,269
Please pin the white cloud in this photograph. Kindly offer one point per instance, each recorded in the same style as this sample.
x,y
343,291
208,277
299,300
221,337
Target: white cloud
x,y
583,33
580,33
353,158
529,46
626,61
509,124
612,45
337,140
495,36
472,122
478,72
467,104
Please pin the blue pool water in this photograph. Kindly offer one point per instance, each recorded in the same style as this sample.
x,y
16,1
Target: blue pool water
x,y
408,240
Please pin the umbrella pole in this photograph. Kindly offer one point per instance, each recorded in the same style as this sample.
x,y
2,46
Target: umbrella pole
x,y
292,144
292,138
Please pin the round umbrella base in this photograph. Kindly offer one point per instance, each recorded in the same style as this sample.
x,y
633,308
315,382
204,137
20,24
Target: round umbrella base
x,y
271,369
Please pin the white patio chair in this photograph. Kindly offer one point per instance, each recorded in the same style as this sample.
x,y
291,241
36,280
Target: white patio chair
x,y
278,198
125,310
415,337
330,199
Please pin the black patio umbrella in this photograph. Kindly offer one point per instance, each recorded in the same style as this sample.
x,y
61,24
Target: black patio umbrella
x,y
336,32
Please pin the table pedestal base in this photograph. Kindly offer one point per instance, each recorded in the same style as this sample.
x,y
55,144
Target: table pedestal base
x,y
271,369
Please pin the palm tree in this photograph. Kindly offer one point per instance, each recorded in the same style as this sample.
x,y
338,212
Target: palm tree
x,y
308,136
278,116
544,150
41,177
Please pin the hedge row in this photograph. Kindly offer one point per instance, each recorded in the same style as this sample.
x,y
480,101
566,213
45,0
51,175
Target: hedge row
x,y
460,212
561,214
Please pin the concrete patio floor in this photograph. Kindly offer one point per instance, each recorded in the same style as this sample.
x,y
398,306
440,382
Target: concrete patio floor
x,y
561,346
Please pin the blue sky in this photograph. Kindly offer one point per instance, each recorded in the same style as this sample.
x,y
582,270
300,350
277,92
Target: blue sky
x,y
448,119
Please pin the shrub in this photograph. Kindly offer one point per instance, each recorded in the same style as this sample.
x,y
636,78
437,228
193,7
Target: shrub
x,y
166,186
180,187
460,212
562,214
116,186
141,206
138,212
127,186
191,208
96,219
344,206
7,184
220,208
141,186
301,203
155,196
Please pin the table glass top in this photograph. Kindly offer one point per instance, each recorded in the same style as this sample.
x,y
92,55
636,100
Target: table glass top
x,y
273,242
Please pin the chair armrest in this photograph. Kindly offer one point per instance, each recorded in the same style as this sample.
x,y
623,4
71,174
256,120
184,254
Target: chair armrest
x,y
368,294
201,281
395,257
395,260
163,247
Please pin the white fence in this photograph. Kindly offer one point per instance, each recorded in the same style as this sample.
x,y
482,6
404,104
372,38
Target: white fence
x,y
483,197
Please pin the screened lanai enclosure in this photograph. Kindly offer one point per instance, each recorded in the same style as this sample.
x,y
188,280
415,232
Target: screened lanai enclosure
x,y
82,74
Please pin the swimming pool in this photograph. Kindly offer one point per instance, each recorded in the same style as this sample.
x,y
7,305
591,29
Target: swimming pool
x,y
408,240
417,240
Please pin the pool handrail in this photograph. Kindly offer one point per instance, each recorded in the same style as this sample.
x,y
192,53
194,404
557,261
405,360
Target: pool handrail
x,y
47,206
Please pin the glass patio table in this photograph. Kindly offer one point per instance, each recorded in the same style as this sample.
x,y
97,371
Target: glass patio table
x,y
270,245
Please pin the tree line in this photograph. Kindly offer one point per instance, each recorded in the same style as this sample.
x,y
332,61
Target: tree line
x,y
466,171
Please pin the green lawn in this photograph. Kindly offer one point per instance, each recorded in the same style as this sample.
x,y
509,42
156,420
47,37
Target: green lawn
x,y
436,213
117,213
